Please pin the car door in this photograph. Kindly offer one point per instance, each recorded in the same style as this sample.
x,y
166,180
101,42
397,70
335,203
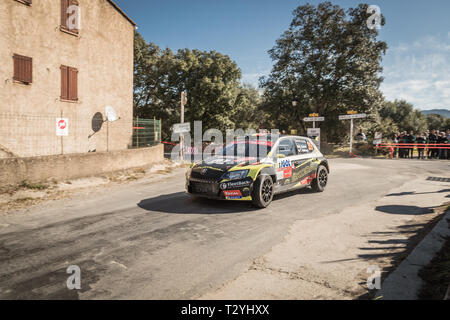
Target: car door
x,y
286,161
305,162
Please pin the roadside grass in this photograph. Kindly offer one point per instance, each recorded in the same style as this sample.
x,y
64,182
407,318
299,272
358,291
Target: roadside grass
x,y
436,275
33,186
25,200
359,149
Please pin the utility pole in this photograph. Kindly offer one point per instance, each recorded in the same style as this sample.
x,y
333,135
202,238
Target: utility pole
x,y
183,103
352,115
351,136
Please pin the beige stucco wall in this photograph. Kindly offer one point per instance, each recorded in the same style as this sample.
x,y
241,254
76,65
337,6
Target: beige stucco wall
x,y
103,55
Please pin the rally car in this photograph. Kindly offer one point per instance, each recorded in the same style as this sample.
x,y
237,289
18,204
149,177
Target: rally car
x,y
257,168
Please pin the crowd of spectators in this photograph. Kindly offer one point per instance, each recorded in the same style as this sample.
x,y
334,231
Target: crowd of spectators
x,y
428,144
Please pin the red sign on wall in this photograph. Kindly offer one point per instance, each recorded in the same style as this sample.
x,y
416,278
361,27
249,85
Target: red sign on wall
x,y
62,127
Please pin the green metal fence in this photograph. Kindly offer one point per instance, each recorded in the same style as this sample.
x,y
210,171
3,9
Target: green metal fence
x,y
146,132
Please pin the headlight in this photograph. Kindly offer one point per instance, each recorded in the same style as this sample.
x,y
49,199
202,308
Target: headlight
x,y
235,175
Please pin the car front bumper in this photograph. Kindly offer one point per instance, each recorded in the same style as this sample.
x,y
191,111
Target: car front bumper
x,y
234,190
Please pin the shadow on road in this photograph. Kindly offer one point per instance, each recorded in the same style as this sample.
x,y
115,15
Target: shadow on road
x,y
404,210
415,193
182,203
403,241
387,249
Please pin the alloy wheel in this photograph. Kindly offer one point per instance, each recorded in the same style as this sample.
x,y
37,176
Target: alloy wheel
x,y
267,190
323,178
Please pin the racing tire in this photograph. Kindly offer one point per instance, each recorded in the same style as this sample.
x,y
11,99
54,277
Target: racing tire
x,y
262,193
319,184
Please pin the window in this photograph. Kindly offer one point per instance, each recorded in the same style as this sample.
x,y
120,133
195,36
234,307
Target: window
x,y
66,17
69,83
302,146
287,148
27,2
248,149
23,69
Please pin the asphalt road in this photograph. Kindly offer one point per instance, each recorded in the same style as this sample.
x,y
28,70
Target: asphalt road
x,y
149,240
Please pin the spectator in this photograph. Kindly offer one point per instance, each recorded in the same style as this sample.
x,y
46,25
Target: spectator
x,y
432,139
448,139
361,136
411,141
442,139
403,150
421,139
395,141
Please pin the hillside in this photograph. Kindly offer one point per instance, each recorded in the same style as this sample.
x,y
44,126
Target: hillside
x,y
442,112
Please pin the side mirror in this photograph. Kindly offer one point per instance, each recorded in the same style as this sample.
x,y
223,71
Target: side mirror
x,y
281,156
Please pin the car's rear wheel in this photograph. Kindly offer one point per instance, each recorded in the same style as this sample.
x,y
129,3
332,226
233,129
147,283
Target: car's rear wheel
x,y
319,184
262,194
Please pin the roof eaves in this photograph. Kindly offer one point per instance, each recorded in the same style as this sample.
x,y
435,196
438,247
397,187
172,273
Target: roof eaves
x,y
122,12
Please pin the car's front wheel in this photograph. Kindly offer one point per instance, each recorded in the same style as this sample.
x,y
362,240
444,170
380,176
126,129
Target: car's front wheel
x,y
321,181
262,194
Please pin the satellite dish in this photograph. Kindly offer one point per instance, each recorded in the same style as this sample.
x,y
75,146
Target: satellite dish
x,y
111,114
97,122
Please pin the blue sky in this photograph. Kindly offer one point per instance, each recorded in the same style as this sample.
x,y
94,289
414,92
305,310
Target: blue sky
x,y
416,67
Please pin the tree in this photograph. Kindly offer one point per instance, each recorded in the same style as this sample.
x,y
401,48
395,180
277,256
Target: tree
x,y
246,111
329,62
437,122
154,94
404,116
447,124
211,80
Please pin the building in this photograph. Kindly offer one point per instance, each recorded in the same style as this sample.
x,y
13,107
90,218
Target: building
x,y
65,59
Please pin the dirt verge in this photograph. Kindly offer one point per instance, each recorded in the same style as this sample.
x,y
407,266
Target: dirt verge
x,y
28,194
437,275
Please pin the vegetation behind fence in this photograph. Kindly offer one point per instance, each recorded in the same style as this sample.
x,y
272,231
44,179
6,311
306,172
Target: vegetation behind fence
x,y
146,132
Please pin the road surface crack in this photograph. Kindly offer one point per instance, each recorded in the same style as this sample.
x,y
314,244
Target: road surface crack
x,y
297,275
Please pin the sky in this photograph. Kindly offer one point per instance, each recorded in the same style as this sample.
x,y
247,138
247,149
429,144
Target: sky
x,y
416,66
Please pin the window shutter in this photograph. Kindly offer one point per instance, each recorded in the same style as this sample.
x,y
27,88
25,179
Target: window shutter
x,y
28,76
74,3
23,69
64,83
17,71
73,84
64,14
65,4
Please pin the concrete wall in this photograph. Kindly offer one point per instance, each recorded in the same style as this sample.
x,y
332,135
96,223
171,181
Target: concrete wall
x,y
14,171
103,55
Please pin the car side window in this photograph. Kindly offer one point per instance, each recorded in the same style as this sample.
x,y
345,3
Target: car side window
x,y
287,148
302,146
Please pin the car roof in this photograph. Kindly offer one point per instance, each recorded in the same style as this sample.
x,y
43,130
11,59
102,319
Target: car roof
x,y
296,137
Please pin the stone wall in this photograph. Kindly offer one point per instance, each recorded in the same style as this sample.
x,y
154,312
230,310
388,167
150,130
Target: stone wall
x,y
14,171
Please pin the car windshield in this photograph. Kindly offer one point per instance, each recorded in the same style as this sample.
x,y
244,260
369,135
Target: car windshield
x,y
248,149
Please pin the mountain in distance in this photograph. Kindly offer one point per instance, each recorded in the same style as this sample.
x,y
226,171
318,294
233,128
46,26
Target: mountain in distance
x,y
443,112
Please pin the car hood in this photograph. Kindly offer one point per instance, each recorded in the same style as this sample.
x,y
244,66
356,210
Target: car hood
x,y
224,163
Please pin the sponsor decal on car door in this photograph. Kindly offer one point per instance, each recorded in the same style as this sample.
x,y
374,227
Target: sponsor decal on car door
x,y
305,166
286,166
